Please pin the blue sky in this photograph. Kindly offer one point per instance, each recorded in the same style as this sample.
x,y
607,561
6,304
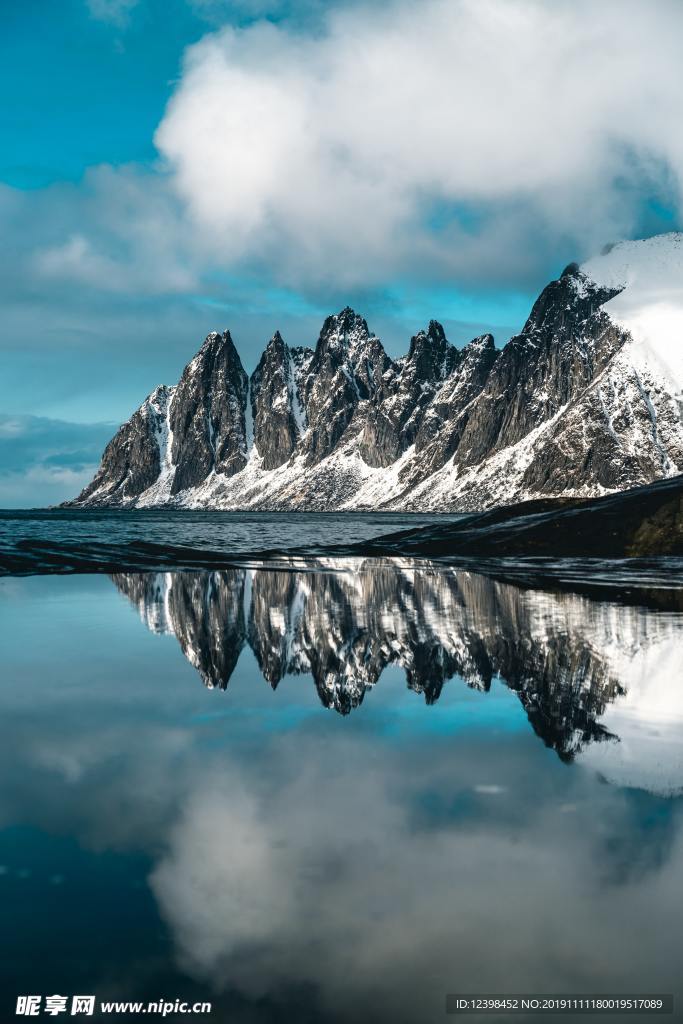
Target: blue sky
x,y
171,167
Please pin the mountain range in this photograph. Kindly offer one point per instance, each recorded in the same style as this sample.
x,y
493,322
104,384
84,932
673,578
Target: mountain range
x,y
586,400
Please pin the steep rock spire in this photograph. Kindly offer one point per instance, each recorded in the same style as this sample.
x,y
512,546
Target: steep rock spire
x,y
208,421
348,367
276,405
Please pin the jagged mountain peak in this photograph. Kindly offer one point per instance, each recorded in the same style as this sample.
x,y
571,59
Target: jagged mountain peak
x,y
217,349
276,345
346,329
562,306
433,337
216,339
275,404
434,332
347,318
431,354
206,420
480,344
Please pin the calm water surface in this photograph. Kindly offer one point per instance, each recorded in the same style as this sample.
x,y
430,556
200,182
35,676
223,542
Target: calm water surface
x,y
336,794
229,532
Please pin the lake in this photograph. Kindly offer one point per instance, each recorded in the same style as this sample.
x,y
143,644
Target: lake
x,y
338,790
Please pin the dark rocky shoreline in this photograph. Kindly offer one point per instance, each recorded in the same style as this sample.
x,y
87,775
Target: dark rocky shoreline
x,y
644,522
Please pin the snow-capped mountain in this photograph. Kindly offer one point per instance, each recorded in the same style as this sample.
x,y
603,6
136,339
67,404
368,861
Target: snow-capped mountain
x,y
597,679
587,399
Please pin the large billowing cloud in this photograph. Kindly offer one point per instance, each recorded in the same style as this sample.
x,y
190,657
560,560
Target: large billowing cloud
x,y
450,136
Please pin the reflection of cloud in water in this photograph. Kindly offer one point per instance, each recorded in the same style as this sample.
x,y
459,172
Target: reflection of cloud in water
x,y
334,879
222,885
599,680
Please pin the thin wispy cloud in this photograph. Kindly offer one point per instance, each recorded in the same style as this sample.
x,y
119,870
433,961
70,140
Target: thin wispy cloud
x,y
117,12
42,459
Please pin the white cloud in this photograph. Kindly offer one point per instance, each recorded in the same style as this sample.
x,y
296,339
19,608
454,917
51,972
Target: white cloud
x,y
78,260
327,160
335,156
251,899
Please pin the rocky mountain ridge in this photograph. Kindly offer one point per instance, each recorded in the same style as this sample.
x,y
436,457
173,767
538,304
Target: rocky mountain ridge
x,y
586,400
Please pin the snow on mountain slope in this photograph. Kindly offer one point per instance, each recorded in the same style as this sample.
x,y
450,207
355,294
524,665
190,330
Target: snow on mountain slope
x,y
160,401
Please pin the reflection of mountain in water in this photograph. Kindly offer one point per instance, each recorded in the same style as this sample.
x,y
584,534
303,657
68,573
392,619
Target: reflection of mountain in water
x,y
567,657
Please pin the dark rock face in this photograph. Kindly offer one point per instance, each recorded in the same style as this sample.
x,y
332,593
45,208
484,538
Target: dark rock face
x,y
267,634
564,344
344,629
208,617
208,415
395,416
446,418
348,367
617,433
132,460
276,403
430,356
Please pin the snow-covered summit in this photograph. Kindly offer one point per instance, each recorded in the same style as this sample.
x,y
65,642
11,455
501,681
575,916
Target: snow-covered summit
x,y
649,306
